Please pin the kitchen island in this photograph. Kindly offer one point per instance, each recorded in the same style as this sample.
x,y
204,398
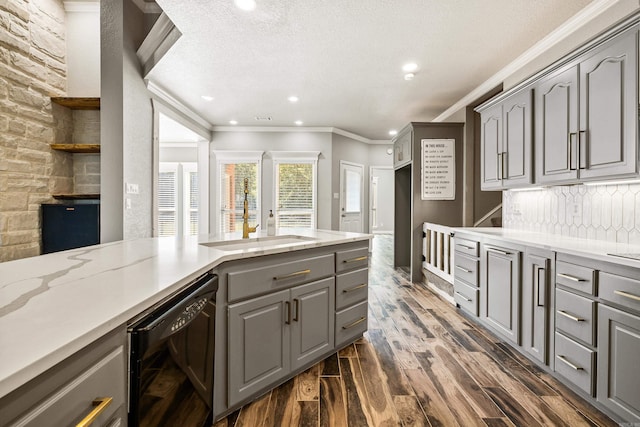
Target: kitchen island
x,y
53,306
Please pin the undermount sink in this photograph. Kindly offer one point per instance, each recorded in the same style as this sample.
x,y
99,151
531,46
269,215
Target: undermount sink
x,y
258,242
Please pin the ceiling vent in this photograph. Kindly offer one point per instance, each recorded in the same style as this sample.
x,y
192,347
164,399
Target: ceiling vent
x,y
263,118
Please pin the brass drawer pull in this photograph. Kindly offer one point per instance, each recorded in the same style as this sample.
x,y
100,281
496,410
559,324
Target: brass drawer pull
x,y
100,404
288,276
466,247
498,251
627,295
352,324
463,269
464,297
360,258
355,288
572,278
571,365
570,316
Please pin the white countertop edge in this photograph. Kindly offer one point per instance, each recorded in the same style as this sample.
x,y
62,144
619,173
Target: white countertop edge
x,y
28,371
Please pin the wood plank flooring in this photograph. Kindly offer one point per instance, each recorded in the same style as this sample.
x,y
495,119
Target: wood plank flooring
x,y
420,363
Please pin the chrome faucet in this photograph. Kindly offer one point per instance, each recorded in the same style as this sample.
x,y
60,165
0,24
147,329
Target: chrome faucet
x,y
245,215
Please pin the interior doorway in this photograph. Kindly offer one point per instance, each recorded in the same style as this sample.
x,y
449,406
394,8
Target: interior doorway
x,y
351,196
381,183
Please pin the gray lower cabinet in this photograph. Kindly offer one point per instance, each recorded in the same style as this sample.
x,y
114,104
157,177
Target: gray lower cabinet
x,y
500,290
90,384
274,334
537,301
466,271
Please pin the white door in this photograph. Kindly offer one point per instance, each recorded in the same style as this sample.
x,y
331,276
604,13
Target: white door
x,y
381,188
351,186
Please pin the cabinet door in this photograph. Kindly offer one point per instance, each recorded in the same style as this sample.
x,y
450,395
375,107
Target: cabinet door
x,y
501,299
516,156
556,122
259,344
536,304
618,374
491,148
402,150
312,326
608,110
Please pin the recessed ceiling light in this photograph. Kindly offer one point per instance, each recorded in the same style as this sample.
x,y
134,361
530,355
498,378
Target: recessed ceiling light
x,y
409,76
207,98
233,122
410,67
299,122
247,5
293,99
393,132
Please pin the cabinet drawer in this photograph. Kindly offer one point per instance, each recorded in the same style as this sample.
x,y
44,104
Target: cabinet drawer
x,y
352,259
575,315
74,401
465,246
351,323
620,290
575,277
467,297
273,277
466,268
351,288
575,362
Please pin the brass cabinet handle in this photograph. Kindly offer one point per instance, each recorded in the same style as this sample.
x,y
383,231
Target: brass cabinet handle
x,y
296,303
498,251
627,295
355,288
352,324
541,284
360,258
570,316
500,164
463,269
572,278
465,246
100,404
463,296
573,162
571,365
288,276
287,321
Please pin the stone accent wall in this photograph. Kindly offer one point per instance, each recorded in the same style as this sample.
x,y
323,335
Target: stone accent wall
x,y
32,68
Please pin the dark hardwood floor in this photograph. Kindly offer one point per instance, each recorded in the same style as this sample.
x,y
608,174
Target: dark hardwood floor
x,y
421,363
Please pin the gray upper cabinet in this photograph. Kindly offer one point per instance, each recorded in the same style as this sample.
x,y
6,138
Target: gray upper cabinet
x,y
402,150
586,116
500,290
506,142
537,298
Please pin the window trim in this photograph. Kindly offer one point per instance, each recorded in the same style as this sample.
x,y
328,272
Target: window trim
x,y
286,157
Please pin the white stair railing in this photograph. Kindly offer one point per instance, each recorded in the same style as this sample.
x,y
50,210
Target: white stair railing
x,y
437,250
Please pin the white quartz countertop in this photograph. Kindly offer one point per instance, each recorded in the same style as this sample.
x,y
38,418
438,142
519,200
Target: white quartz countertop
x,y
597,249
53,305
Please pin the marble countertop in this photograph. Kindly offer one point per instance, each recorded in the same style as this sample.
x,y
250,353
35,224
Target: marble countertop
x,y
598,249
53,305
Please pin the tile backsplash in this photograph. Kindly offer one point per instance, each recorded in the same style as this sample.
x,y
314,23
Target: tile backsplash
x,y
601,212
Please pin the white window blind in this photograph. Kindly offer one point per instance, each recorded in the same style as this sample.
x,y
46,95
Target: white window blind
x,y
232,175
178,199
295,195
167,196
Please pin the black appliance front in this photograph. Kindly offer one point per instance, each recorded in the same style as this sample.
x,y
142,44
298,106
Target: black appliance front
x,y
171,360
70,226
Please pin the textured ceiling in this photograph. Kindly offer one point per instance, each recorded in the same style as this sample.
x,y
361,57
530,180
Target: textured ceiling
x,y
343,58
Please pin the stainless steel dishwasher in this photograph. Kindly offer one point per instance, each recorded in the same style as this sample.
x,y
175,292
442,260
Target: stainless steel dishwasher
x,y
171,359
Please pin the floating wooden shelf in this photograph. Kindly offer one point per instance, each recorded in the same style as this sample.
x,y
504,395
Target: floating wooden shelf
x,y
77,148
78,103
76,196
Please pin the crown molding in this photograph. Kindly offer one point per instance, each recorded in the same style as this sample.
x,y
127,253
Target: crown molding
x,y
317,129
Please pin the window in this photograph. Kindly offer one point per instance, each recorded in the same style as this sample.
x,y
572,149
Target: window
x,y
295,189
233,169
178,199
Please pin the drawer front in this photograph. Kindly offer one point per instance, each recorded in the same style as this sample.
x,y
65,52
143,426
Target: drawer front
x,y
468,247
466,297
352,259
351,323
261,280
73,402
351,288
575,277
620,290
575,362
466,268
575,315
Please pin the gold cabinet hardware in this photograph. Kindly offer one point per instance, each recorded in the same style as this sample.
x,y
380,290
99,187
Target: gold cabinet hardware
x,y
569,364
627,295
287,321
354,323
498,251
294,274
570,316
463,269
100,404
360,258
355,288
296,303
463,296
568,277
